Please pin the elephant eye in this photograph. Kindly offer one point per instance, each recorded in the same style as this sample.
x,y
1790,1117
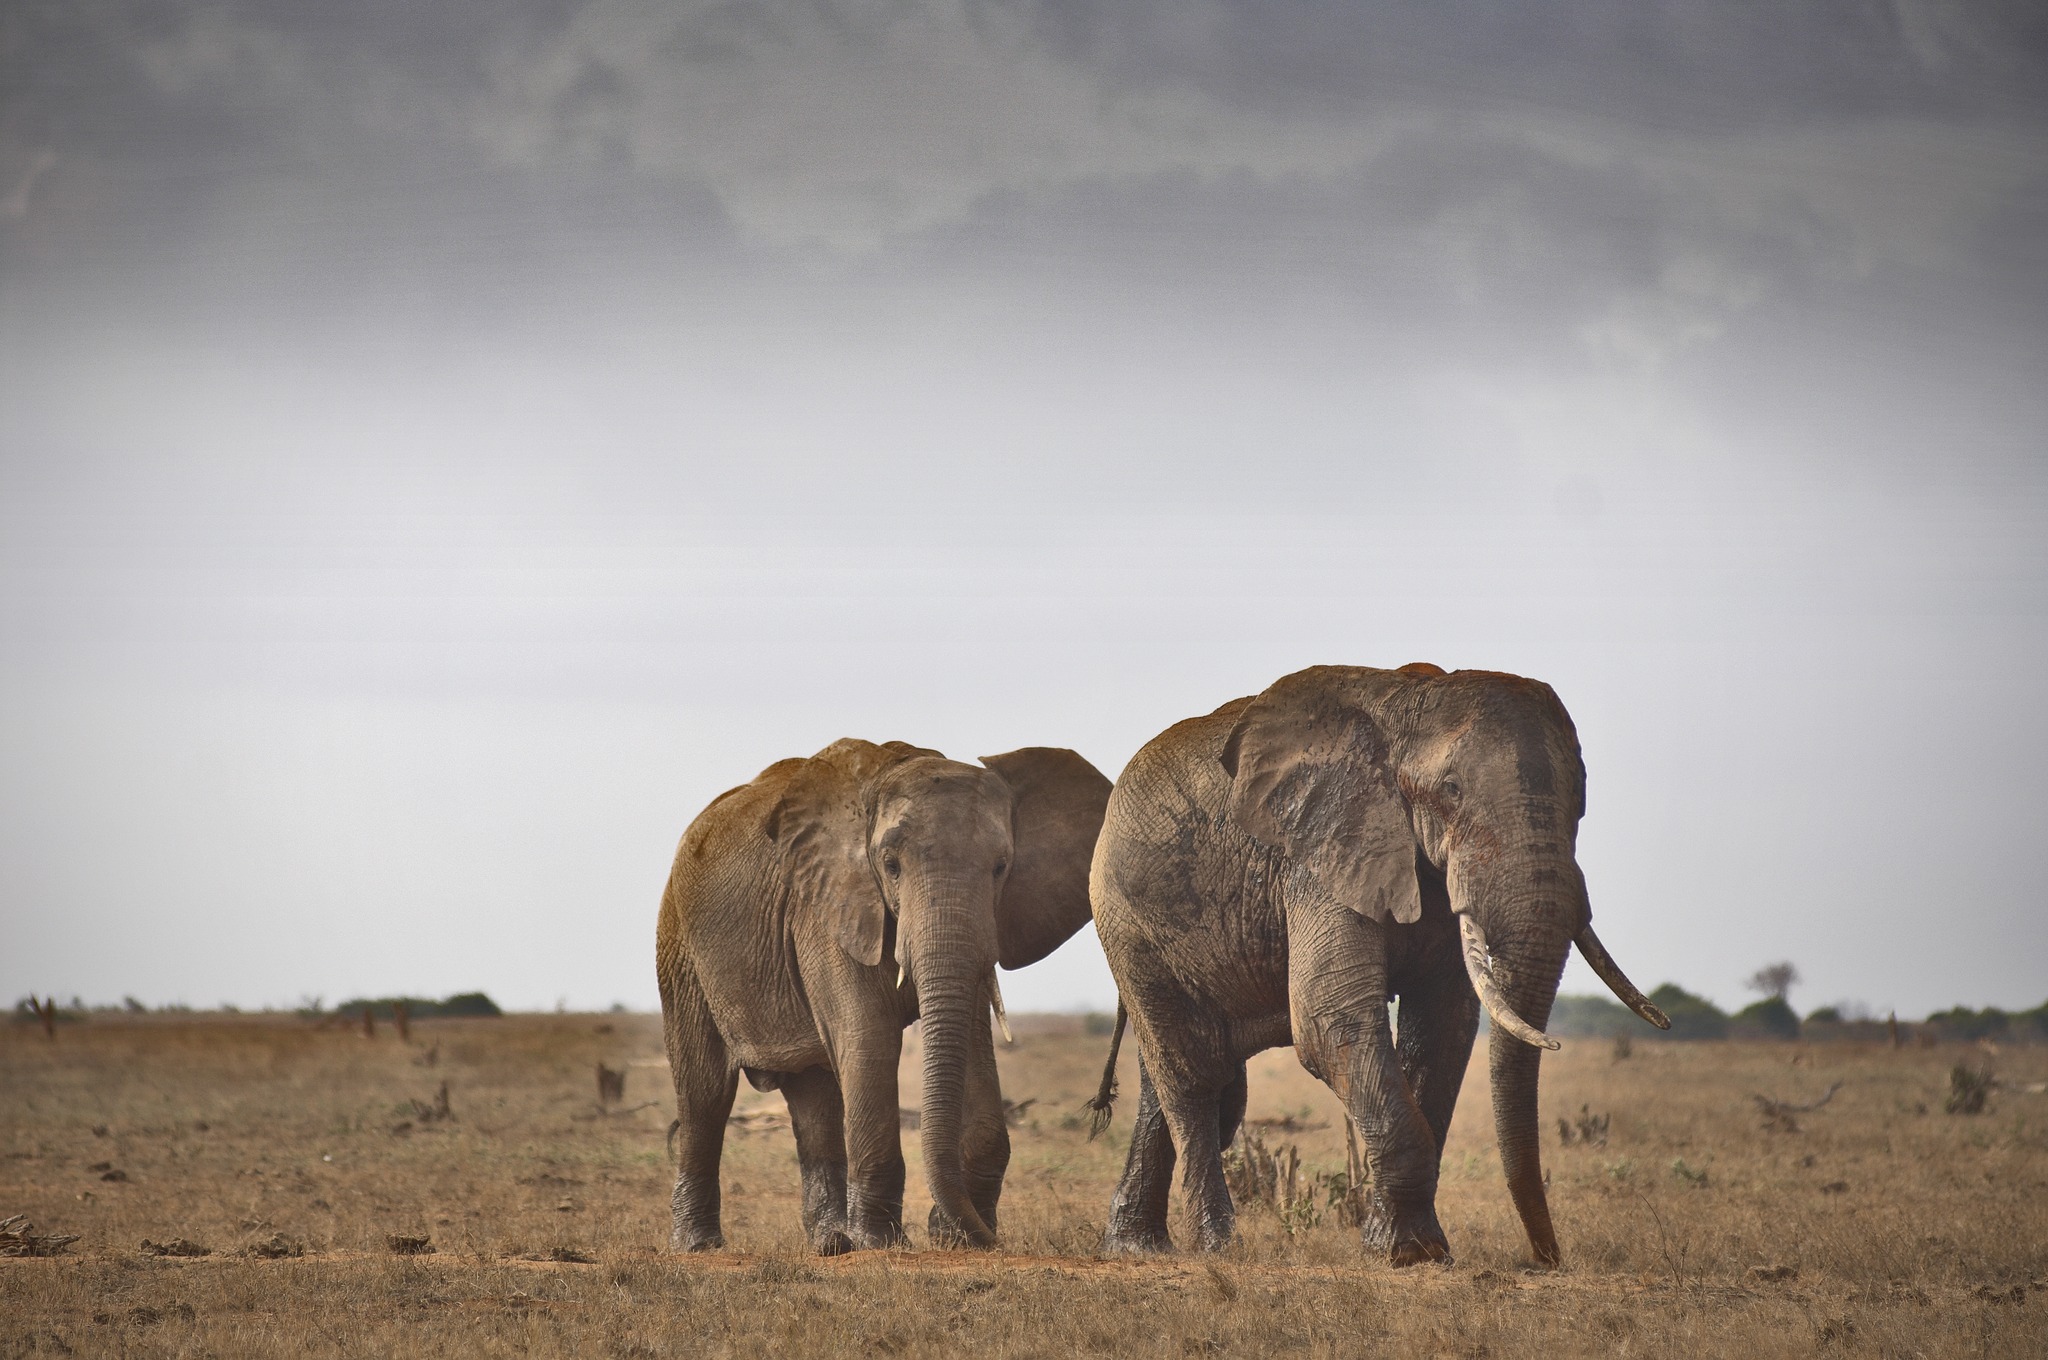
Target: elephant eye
x,y
1000,866
1451,790
892,866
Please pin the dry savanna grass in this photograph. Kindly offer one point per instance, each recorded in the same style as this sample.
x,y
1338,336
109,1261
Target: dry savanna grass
x,y
345,1208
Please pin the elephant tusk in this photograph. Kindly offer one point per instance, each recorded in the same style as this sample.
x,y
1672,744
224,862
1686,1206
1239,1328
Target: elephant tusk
x,y
1617,981
1480,971
995,998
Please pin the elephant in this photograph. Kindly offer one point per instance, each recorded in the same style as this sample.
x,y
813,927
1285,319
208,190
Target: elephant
x,y
1280,870
814,913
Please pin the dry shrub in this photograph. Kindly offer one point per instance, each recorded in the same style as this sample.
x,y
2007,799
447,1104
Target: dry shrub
x,y
1272,1178
1588,1130
1968,1089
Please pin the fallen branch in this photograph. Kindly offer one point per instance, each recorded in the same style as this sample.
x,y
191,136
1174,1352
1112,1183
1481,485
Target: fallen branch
x,y
177,1246
1778,1114
1286,1123
758,1121
1769,1106
600,1112
19,1238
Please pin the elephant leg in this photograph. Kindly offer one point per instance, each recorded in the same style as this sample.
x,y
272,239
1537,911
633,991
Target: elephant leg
x,y
1196,1097
984,1143
1137,1215
874,1151
1337,992
1230,1108
1439,1021
1195,1119
817,1116
704,1092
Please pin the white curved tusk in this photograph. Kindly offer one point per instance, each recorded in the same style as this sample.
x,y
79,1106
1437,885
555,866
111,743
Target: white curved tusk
x,y
1617,981
995,998
1479,970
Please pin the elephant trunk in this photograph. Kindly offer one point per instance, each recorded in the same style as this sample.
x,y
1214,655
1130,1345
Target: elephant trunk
x,y
1513,1069
953,1001
1516,973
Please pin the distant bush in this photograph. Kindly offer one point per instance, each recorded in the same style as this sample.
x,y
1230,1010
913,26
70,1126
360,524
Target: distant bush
x,y
1692,1017
1095,1024
1594,1017
1772,1016
1826,1015
462,1004
1960,1022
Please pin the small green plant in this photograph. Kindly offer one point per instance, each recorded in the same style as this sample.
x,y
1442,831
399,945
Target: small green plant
x,y
1697,1179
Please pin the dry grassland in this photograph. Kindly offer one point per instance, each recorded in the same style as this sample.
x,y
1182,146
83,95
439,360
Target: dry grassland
x,y
1882,1226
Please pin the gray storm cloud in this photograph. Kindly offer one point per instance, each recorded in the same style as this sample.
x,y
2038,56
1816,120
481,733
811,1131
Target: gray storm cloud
x,y
1847,137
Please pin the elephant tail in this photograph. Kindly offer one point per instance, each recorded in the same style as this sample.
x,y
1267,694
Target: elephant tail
x,y
1105,1095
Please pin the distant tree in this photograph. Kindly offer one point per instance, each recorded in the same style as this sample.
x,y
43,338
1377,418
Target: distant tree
x,y
1774,980
1692,1017
420,1007
1772,1016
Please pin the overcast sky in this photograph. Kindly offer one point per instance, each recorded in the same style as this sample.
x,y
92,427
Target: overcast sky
x,y
443,446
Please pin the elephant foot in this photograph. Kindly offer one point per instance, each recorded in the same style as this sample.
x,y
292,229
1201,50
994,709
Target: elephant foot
x,y
1215,1230
876,1238
1546,1256
946,1231
833,1243
694,1241
1136,1243
1408,1240
1418,1251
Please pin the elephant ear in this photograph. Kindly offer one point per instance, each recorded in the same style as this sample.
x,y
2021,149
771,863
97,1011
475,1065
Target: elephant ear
x,y
821,823
1057,802
1312,779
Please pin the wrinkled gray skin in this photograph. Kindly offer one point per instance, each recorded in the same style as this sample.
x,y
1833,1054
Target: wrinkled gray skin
x,y
812,915
1278,871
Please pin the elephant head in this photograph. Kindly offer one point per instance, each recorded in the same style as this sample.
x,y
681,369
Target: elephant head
x,y
948,869
1353,773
